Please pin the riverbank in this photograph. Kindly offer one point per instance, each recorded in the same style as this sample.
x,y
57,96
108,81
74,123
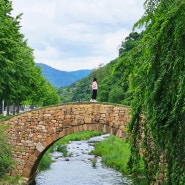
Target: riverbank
x,y
46,160
115,152
80,167
7,163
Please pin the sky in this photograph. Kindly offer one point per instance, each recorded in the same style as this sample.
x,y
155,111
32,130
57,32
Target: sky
x,y
71,35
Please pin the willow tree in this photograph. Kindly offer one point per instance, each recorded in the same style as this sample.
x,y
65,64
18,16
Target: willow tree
x,y
157,80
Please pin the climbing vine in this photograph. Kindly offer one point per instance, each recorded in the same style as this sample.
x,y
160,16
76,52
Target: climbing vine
x,y
157,82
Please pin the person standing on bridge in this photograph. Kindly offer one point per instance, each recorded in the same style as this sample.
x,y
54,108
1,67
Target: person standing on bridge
x,y
94,90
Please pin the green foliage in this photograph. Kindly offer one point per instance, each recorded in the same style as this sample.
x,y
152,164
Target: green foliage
x,y
51,96
78,136
21,80
112,87
9,180
66,93
45,162
129,43
62,148
115,153
6,160
155,72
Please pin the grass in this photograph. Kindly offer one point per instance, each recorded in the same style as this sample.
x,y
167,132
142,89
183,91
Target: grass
x,y
78,136
114,152
8,180
3,118
45,161
63,149
7,163
6,160
94,162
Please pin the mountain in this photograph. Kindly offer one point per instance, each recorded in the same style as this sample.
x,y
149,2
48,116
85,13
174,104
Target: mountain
x,y
62,78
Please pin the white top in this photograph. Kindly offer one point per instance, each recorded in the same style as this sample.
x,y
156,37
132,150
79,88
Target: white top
x,y
94,85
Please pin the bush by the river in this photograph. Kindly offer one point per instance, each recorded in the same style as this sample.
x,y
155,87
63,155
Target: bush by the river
x,y
6,161
45,161
62,148
115,153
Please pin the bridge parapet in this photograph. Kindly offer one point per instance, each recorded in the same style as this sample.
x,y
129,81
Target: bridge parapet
x,y
32,133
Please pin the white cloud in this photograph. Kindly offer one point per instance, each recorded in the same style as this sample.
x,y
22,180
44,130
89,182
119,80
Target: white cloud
x,y
71,35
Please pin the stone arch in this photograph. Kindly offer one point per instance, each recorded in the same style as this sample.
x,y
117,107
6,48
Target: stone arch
x,y
32,133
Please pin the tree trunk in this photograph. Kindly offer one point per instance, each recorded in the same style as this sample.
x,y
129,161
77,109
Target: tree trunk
x,y
1,106
8,109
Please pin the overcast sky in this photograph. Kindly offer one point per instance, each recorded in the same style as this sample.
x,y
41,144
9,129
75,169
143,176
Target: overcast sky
x,y
76,34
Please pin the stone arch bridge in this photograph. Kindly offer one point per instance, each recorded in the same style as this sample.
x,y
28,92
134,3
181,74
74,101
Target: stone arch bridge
x,y
32,133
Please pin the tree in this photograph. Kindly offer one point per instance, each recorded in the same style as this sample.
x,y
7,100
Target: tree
x,y
51,96
156,79
129,43
20,79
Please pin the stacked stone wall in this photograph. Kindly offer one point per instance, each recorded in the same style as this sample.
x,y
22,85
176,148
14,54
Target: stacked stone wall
x,y
32,133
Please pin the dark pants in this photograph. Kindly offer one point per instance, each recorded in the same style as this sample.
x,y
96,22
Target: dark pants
x,y
94,94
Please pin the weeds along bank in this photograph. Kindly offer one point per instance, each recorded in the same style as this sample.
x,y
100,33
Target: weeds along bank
x,y
7,163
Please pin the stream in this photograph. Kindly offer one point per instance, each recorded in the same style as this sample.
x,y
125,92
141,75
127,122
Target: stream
x,y
78,169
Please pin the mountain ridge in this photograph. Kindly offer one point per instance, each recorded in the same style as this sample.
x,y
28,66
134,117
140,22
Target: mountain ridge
x,y
60,78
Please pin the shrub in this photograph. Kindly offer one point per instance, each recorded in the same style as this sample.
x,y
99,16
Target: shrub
x,y
45,162
115,153
6,160
62,148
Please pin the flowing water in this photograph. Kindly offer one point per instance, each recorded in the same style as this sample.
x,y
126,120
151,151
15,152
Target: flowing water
x,y
78,168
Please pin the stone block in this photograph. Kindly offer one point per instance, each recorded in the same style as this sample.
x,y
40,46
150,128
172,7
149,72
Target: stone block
x,y
32,158
40,147
49,140
26,172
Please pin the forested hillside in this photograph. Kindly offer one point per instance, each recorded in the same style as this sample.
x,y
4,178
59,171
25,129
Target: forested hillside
x,y
111,86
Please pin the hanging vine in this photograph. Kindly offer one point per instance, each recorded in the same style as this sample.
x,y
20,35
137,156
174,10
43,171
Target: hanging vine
x,y
157,82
